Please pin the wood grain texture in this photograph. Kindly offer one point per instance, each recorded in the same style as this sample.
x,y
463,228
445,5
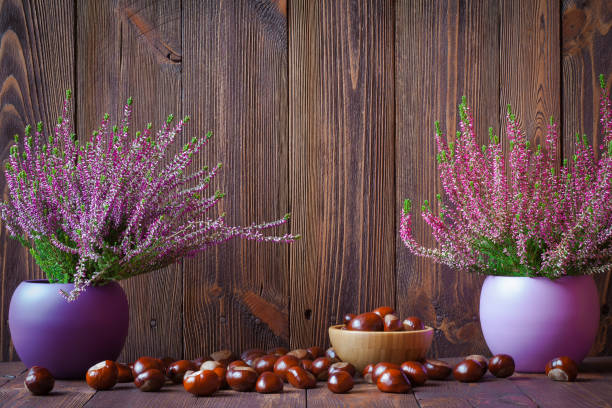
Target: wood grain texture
x,y
174,396
586,53
321,108
341,153
150,72
65,394
530,74
10,371
36,67
133,49
363,395
235,85
444,50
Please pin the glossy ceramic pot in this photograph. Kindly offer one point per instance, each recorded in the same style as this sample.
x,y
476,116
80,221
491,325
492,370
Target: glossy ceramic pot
x,y
68,337
537,319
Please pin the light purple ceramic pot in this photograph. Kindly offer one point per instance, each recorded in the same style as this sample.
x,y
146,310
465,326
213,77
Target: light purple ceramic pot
x,y
68,338
537,319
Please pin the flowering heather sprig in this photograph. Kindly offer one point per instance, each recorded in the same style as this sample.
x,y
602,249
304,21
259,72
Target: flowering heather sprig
x,y
536,218
113,208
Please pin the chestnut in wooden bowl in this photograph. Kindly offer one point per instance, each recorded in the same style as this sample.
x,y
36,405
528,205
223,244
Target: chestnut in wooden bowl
x,y
361,348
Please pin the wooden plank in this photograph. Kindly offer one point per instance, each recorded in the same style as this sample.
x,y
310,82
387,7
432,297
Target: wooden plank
x,y
489,392
529,55
362,395
586,39
36,67
341,158
546,393
10,371
444,49
174,396
134,49
150,72
235,84
65,394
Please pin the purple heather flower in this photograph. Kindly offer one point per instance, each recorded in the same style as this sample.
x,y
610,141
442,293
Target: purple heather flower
x,y
113,207
533,218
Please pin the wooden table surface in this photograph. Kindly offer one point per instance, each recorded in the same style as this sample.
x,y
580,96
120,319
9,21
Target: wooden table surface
x,y
592,389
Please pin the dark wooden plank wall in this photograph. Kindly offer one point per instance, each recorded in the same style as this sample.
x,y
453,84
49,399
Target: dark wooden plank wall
x,y
321,108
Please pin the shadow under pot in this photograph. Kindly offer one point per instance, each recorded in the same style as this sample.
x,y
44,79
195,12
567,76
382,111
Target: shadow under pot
x,y
68,337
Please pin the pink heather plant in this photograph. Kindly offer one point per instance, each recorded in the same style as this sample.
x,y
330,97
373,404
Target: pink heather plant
x,y
532,220
112,208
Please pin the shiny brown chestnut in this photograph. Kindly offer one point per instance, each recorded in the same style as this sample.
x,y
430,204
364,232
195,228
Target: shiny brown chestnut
x,y
166,361
237,363
415,372
306,364
246,353
347,318
366,322
315,352
437,369
39,381
102,376
241,378
320,368
217,368
223,356
481,360
265,363
393,380
269,383
468,371
209,365
380,368
300,378
562,369
278,351
413,323
252,357
176,371
340,382
366,373
393,323
331,354
124,373
146,363
150,381
201,383
342,366
382,311
501,365
300,354
199,360
282,365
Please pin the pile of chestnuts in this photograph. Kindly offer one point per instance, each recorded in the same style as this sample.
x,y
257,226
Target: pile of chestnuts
x,y
382,318
267,372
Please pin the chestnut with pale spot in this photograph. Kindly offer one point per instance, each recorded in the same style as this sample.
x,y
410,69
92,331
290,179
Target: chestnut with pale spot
x,y
562,369
102,376
150,381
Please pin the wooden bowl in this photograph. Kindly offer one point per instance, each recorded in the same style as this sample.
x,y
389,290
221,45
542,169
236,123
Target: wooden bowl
x,y
361,348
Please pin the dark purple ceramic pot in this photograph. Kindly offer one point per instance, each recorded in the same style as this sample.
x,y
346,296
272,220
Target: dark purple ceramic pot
x,y
68,338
